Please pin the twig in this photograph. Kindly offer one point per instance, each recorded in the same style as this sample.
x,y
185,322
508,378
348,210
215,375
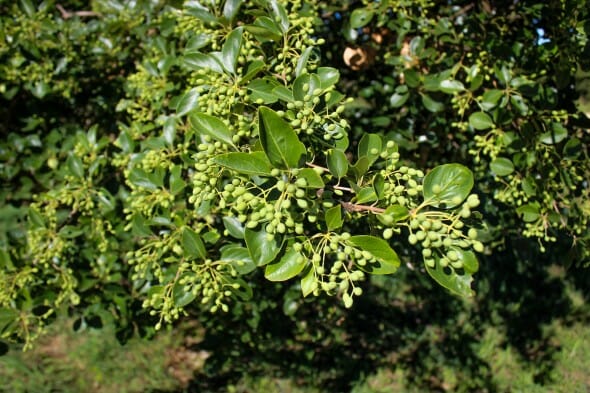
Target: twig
x,y
67,14
351,207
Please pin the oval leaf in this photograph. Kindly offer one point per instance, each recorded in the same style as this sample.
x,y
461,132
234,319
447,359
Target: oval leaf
x,y
502,166
380,249
212,126
279,141
290,265
262,251
459,284
337,163
255,163
187,102
192,244
480,121
451,86
448,185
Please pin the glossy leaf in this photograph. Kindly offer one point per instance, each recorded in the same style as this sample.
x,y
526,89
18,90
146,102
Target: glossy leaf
x,y
328,76
480,121
254,164
370,146
308,282
334,218
234,227
459,284
290,265
200,61
337,163
451,86
279,142
188,102
529,212
262,251
431,105
212,126
313,179
182,295
192,244
239,257
448,185
360,17
557,134
380,249
231,49
502,166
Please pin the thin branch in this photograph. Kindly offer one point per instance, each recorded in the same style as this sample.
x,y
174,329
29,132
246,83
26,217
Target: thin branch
x,y
67,14
352,207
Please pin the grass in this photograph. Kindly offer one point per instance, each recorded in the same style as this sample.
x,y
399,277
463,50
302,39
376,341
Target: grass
x,y
557,361
93,361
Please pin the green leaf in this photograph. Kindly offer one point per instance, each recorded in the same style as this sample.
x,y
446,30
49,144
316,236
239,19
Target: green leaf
x,y
447,185
177,184
529,212
198,61
239,257
397,100
337,163
557,134
304,85
212,126
262,250
451,86
393,214
231,49
432,105
502,166
459,284
280,14
234,227
490,98
360,17
480,121
141,178
265,29
253,164
520,104
313,179
370,146
7,318
380,249
279,141
308,282
290,265
334,218
262,89
187,102
75,166
170,130
182,295
196,42
328,77
302,61
28,7
253,69
283,93
231,8
470,263
365,195
244,291
192,244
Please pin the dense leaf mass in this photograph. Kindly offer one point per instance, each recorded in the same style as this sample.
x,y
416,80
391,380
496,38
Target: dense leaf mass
x,y
162,159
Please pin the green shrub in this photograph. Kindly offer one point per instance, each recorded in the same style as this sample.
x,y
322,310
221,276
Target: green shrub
x,y
163,159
